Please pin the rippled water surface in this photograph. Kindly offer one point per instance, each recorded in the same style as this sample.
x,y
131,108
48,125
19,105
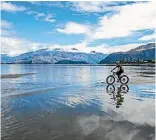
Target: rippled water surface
x,y
58,102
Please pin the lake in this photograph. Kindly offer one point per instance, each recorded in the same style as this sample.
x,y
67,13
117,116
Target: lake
x,y
69,102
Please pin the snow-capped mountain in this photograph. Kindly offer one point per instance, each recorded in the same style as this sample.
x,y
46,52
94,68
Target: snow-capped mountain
x,y
143,47
64,49
139,54
57,55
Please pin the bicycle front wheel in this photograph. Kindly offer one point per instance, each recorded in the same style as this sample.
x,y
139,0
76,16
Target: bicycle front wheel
x,y
110,89
110,79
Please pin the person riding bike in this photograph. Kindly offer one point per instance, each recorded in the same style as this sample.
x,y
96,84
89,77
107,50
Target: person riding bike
x,y
119,71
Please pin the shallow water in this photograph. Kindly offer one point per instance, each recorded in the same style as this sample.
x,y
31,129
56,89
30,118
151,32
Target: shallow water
x,y
75,103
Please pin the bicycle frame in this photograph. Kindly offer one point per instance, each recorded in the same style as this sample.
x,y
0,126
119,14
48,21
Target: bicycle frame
x,y
114,74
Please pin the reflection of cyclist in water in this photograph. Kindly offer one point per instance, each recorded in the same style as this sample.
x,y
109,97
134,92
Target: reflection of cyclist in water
x,y
120,69
117,93
119,98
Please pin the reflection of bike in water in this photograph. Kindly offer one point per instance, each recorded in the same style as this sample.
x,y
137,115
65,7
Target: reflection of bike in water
x,y
117,93
122,88
112,78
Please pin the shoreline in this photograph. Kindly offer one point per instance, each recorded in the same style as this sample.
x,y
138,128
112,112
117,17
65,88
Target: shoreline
x,y
145,64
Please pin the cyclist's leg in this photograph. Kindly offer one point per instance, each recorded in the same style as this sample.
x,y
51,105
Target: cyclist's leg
x,y
119,74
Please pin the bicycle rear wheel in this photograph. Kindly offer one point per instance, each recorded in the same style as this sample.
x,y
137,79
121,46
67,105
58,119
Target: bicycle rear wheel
x,y
124,88
124,79
110,79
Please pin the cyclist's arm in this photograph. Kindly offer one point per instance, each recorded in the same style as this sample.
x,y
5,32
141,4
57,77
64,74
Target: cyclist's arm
x,y
114,69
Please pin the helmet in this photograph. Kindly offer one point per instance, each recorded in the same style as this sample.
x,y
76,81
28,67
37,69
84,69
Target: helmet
x,y
117,62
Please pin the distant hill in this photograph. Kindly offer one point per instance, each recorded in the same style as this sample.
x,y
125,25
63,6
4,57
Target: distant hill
x,y
139,54
5,58
55,56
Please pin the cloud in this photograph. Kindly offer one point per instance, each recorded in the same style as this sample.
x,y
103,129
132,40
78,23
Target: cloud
x,y
9,7
96,6
31,12
5,24
148,37
38,15
49,18
6,28
88,6
49,3
112,49
104,48
35,2
54,4
5,32
131,18
80,46
74,28
42,16
127,21
14,46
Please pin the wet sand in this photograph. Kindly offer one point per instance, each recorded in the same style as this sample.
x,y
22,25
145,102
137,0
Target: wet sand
x,y
22,94
15,75
141,81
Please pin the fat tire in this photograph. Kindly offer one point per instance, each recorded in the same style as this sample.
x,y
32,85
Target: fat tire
x,y
124,91
110,86
107,80
122,81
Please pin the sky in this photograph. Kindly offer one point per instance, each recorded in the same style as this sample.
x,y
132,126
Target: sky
x,y
99,26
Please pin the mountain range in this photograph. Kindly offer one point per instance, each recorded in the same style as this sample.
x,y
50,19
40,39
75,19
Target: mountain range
x,y
139,54
55,56
73,56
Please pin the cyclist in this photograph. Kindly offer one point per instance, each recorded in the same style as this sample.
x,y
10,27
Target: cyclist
x,y
119,71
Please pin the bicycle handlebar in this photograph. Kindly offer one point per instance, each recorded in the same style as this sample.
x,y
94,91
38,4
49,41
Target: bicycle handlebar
x,y
113,71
